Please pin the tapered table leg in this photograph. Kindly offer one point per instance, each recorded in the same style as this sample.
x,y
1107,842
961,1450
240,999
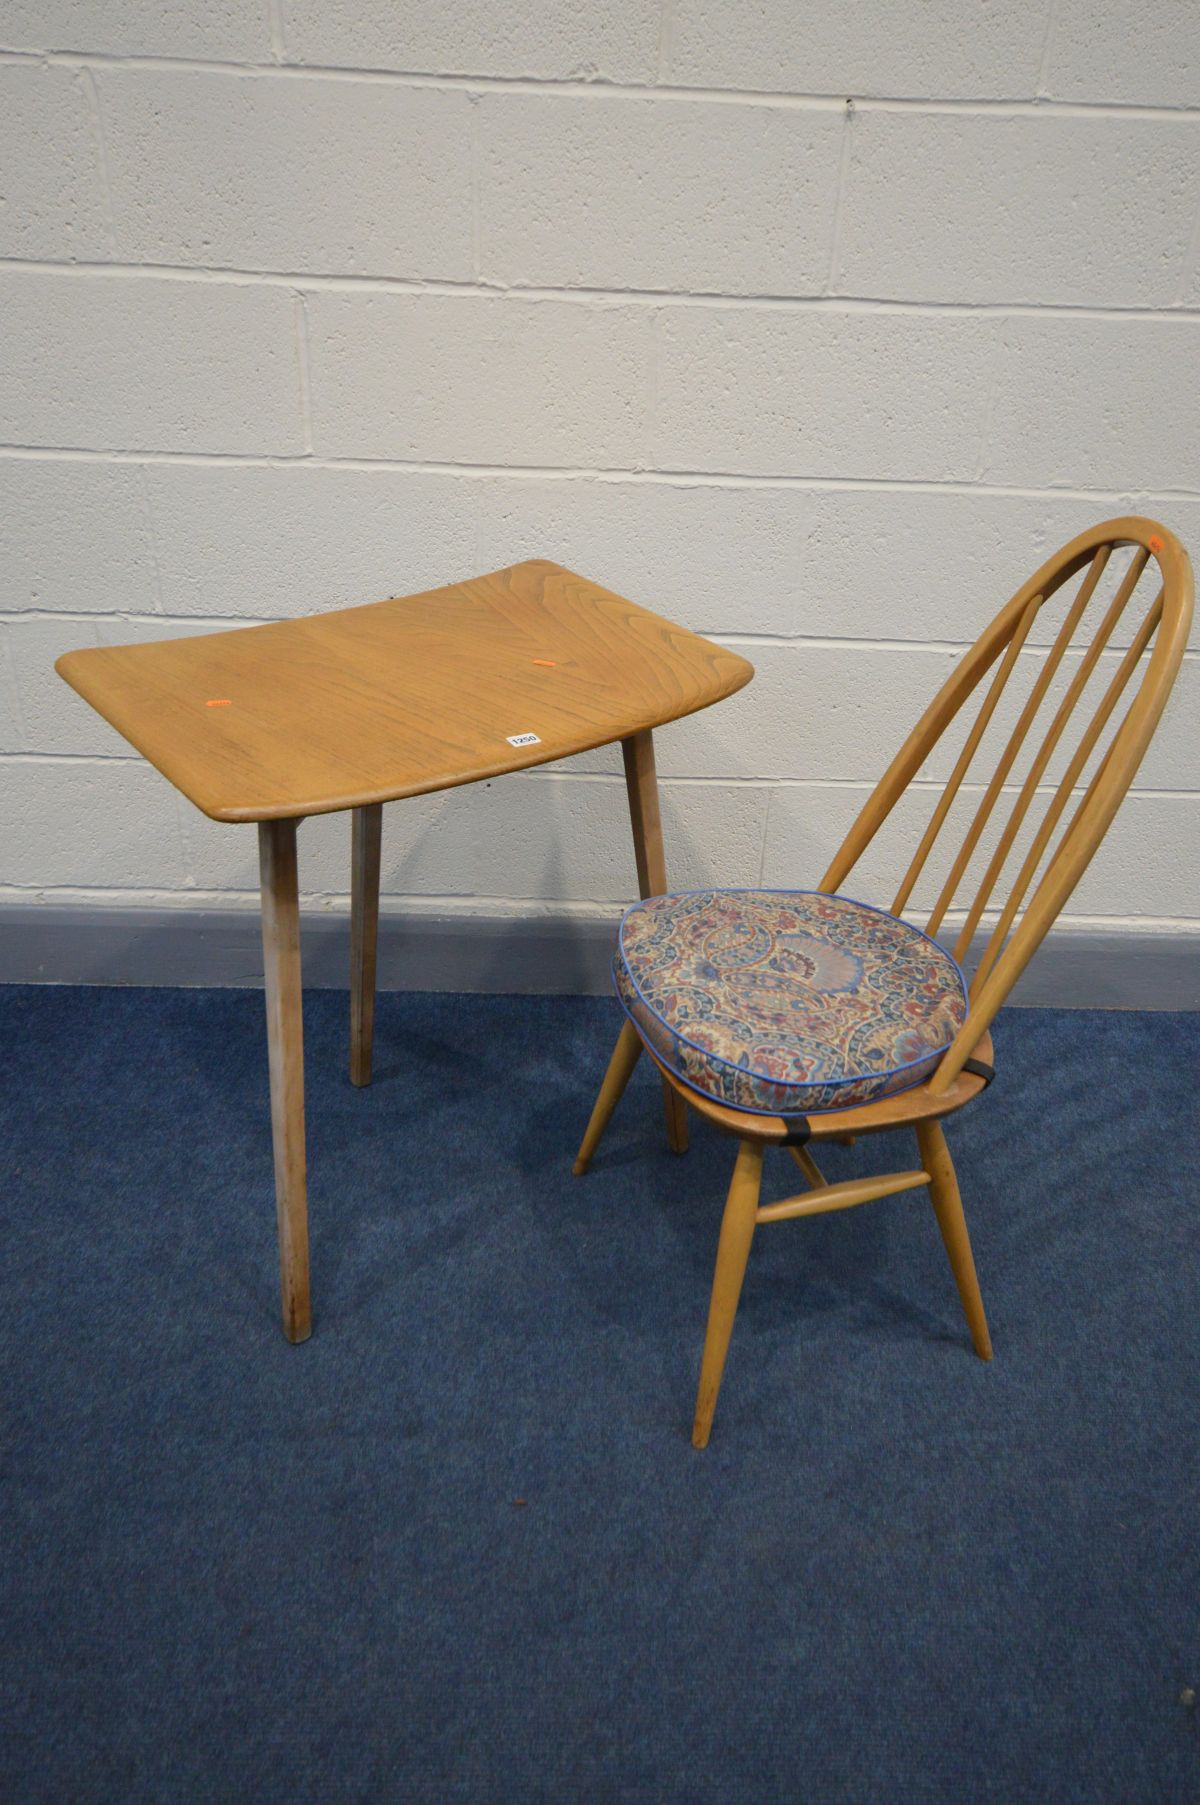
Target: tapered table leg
x,y
642,785
366,825
285,1046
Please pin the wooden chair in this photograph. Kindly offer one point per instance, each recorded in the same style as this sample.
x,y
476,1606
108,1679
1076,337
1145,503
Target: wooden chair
x,y
1090,780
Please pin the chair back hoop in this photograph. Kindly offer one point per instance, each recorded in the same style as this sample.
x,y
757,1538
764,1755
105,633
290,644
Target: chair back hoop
x,y
1019,931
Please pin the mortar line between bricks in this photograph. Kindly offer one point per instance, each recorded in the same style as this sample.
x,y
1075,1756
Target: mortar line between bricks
x,y
230,275
475,197
666,34
303,370
989,407
600,89
9,660
839,196
615,474
654,356
800,642
92,101
183,842
152,541
1044,57
275,28
1191,257
680,781
766,835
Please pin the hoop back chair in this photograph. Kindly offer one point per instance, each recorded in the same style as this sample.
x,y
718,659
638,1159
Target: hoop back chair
x,y
1049,644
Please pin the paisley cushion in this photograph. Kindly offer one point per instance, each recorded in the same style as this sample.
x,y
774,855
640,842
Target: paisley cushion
x,y
787,1002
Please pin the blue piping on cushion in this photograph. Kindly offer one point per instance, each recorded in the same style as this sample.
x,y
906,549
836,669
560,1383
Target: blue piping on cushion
x,y
782,1083
746,1109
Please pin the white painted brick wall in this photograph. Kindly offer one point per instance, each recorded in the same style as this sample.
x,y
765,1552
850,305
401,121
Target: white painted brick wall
x,y
545,39
50,166
950,207
329,177
121,362
746,210
1140,52
814,326
229,30
930,49
820,394
460,378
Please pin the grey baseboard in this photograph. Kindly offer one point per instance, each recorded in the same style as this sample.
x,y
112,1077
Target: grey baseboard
x,y
47,944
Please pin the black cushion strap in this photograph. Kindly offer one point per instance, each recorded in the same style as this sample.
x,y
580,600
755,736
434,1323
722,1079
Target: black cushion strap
x,y
799,1130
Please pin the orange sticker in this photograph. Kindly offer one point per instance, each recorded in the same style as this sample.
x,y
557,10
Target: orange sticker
x,y
219,702
1154,542
547,663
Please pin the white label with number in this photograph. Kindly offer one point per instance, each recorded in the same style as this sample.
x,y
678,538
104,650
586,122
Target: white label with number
x,y
523,739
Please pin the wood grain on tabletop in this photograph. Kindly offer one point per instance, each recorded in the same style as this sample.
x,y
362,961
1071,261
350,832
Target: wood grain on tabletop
x,y
396,698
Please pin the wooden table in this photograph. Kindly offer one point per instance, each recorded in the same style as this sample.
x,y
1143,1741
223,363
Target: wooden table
x,y
352,709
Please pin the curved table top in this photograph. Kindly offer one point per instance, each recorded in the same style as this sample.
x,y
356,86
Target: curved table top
x,y
400,697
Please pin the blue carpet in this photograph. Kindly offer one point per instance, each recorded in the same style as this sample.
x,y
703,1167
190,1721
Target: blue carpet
x,y
458,1546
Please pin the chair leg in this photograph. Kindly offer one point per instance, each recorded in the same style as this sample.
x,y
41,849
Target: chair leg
x,y
947,1205
625,1056
675,1110
733,1250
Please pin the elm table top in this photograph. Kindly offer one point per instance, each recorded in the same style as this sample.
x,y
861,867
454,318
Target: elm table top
x,y
423,692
